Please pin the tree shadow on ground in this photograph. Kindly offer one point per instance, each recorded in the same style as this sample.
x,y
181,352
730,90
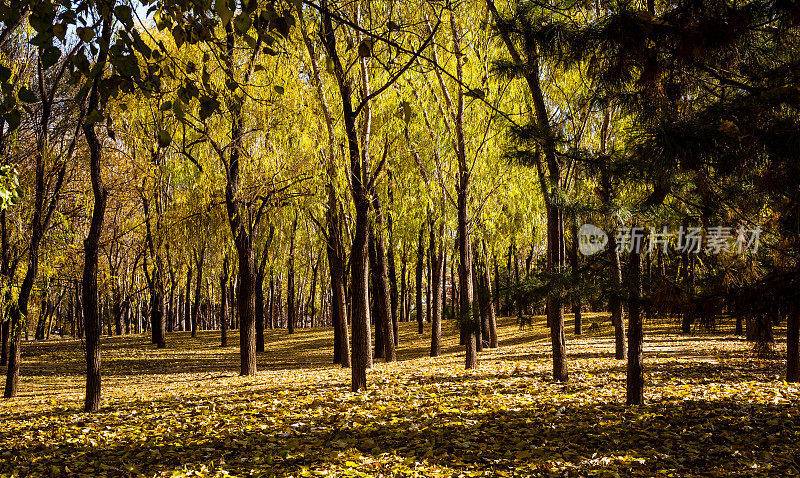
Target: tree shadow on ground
x,y
660,438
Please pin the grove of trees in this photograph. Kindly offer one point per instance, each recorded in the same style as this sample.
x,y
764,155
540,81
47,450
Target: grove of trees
x,y
253,164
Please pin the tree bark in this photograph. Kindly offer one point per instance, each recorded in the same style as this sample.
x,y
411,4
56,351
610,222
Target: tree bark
x,y
614,302
793,344
635,375
575,260
419,273
437,278
362,352
187,307
92,242
198,292
291,312
382,293
487,302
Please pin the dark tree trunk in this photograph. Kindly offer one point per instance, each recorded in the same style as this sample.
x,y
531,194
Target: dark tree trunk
x,y
614,302
635,375
260,312
223,312
487,290
382,293
271,307
4,331
403,289
359,173
793,344
392,270
187,308
92,242
291,312
477,317
487,304
312,296
555,309
575,260
496,294
419,270
242,232
157,318
335,251
469,326
377,320
260,275
509,266
245,301
198,291
437,278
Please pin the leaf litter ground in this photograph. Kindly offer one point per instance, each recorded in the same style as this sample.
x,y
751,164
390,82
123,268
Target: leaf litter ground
x,y
712,409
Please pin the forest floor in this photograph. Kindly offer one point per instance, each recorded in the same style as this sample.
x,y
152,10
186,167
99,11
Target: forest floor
x,y
712,409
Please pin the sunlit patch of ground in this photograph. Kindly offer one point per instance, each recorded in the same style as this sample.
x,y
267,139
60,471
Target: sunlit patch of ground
x,y
712,409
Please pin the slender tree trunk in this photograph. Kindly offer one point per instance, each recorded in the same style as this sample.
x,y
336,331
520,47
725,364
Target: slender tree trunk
x,y
237,212
379,348
223,313
291,315
198,293
793,344
403,289
382,293
635,376
359,173
437,278
259,312
5,328
575,260
335,249
187,308
555,309
477,317
392,270
487,283
92,242
615,304
419,270
334,244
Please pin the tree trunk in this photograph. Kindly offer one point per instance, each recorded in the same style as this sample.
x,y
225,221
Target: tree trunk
x,y
437,278
635,376
198,293
359,172
260,312
555,309
223,313
4,331
487,302
614,302
793,344
92,242
392,270
419,271
382,293
467,321
335,250
187,308
575,260
291,312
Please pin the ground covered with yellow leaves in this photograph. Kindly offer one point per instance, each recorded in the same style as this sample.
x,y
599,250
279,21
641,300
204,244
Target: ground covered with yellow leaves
x,y
713,409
